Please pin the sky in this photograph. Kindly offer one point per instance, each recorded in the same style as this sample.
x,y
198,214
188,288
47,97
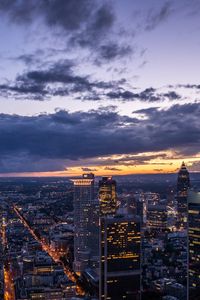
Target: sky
x,y
110,87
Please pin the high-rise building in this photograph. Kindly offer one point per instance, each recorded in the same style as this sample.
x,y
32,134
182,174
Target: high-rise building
x,y
194,243
84,202
183,184
119,248
107,196
183,181
157,216
120,258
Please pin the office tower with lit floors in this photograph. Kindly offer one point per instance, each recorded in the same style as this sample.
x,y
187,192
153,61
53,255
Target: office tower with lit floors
x,y
120,258
107,196
120,242
157,217
84,203
183,184
194,244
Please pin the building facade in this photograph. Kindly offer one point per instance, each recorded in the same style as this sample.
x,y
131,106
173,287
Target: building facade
x,y
84,202
183,184
157,217
107,196
120,258
120,243
194,243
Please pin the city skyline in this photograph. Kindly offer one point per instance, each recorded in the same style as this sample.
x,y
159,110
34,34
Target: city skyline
x,y
128,238
108,87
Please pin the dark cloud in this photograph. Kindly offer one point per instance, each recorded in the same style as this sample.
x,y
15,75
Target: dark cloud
x,y
111,51
124,95
60,72
172,95
155,18
133,160
86,169
92,96
71,16
148,95
28,163
146,111
57,80
60,78
85,23
97,27
189,86
84,135
112,169
28,59
21,88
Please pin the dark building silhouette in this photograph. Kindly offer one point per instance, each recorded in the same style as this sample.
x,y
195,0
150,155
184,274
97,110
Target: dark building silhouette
x,y
183,181
183,184
194,243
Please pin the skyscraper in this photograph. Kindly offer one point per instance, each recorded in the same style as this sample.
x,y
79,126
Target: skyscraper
x,y
84,202
194,243
120,258
107,196
183,184
119,248
157,217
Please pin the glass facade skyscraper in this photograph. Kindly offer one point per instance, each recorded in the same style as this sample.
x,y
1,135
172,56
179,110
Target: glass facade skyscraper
x,y
84,202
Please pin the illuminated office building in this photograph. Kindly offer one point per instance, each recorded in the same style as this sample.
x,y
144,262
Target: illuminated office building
x,y
119,248
194,243
107,196
120,258
157,216
183,184
84,202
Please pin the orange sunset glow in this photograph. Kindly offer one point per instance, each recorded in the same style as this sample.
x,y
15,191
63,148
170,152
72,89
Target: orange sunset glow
x,y
152,166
